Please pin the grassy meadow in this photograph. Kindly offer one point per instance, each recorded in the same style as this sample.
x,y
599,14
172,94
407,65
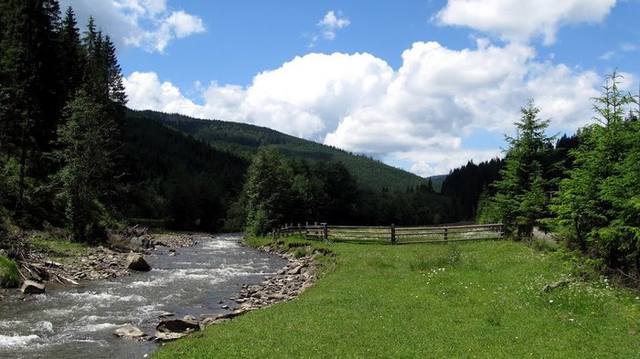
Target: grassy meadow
x,y
476,299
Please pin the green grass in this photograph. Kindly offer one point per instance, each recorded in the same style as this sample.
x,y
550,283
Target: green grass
x,y
59,249
477,299
9,277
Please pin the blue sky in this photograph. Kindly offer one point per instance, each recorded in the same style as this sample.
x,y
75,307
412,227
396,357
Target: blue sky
x,y
423,85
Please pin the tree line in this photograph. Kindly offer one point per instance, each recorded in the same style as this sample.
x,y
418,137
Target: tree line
x,y
280,190
61,102
588,192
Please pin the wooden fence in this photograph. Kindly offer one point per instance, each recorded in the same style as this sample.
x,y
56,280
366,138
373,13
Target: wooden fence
x,y
392,234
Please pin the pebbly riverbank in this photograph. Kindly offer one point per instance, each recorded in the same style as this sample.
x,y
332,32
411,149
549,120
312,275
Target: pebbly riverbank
x,y
42,267
299,274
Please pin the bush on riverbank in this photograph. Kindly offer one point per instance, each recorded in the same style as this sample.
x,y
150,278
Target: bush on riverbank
x,y
9,277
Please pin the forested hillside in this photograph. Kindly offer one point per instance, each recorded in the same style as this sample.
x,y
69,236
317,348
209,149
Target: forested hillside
x,y
175,179
244,140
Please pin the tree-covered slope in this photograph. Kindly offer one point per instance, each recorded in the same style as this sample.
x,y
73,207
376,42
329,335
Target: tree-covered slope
x,y
244,140
177,178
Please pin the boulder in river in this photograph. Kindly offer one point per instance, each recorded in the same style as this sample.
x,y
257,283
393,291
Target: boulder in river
x,y
137,262
129,331
185,325
31,287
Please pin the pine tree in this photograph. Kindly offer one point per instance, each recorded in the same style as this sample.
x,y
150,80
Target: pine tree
x,y
521,192
598,205
28,85
88,155
72,54
115,83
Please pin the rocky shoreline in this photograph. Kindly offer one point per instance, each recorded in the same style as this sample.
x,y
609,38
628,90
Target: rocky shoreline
x,y
288,283
112,260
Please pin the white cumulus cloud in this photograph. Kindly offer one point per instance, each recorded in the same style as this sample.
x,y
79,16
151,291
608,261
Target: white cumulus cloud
x,y
515,20
140,23
420,114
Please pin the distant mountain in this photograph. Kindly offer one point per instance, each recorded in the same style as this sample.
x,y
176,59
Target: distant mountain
x,y
243,140
437,182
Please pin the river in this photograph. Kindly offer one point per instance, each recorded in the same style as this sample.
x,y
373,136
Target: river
x,y
78,322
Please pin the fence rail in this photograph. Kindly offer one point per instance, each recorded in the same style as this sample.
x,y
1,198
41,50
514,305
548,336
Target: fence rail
x,y
392,234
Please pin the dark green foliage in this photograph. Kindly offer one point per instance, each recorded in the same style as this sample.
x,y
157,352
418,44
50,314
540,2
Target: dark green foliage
x,y
598,205
30,103
464,186
244,140
176,178
280,191
45,68
9,276
268,191
88,148
521,193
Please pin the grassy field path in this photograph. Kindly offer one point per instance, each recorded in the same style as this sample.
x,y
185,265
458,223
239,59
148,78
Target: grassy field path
x,y
481,299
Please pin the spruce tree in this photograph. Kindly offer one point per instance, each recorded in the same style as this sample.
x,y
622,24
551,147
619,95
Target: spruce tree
x,y
86,137
72,54
521,192
115,83
597,207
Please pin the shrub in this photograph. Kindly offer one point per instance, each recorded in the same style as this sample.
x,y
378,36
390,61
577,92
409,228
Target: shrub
x,y
9,277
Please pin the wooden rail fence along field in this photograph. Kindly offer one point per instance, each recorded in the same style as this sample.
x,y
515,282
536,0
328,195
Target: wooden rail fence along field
x,y
392,234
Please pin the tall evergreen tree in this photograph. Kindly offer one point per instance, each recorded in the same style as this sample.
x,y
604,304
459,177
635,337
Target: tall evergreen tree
x,y
115,83
88,154
28,85
597,206
72,54
521,192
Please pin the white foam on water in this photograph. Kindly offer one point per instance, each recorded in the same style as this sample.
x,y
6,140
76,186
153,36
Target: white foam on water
x,y
12,341
220,244
159,282
97,327
90,318
9,323
43,327
148,309
105,297
58,312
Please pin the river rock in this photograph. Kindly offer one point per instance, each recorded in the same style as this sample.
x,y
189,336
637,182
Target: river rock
x,y
168,336
137,262
185,325
129,331
31,287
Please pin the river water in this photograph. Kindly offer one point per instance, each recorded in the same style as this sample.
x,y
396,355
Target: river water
x,y
78,322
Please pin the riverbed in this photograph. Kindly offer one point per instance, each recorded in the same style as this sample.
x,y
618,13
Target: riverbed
x,y
78,322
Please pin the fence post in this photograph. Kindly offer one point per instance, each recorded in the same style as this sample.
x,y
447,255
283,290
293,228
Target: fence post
x,y
446,233
393,233
325,232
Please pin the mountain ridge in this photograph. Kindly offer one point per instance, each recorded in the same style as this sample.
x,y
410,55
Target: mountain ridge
x,y
244,140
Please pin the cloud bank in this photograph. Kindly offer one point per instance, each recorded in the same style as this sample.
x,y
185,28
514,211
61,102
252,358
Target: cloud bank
x,y
418,114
